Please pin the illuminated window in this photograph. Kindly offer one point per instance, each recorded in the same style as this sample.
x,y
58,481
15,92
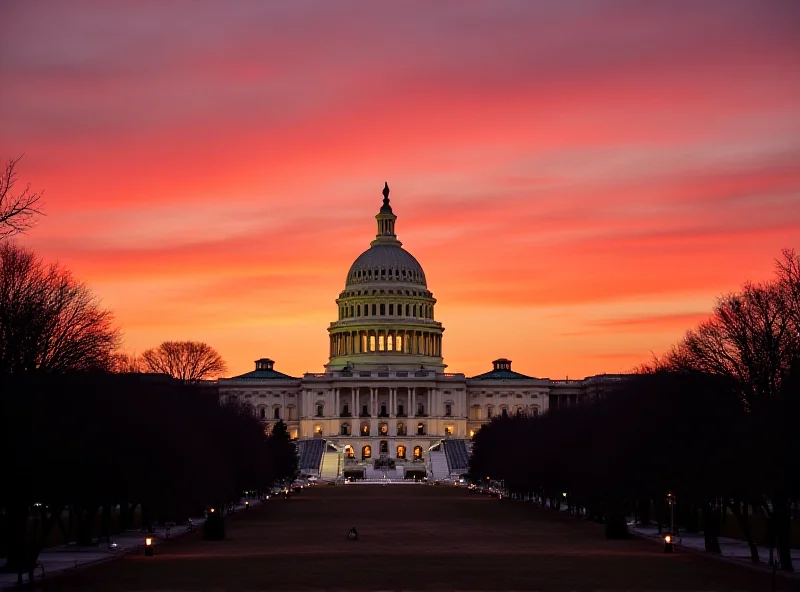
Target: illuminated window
x,y
365,429
399,345
318,430
390,343
372,343
417,452
448,430
366,452
348,450
401,451
401,429
384,429
381,343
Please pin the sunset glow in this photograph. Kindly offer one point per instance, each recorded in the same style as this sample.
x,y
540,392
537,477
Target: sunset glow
x,y
579,180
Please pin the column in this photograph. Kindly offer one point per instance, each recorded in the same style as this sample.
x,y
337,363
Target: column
x,y
373,397
412,403
354,406
432,402
336,409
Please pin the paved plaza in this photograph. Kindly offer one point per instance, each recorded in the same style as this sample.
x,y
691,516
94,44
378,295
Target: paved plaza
x,y
412,538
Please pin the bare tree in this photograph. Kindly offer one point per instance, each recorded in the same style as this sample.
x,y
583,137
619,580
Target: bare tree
x,y
18,211
49,321
124,363
189,361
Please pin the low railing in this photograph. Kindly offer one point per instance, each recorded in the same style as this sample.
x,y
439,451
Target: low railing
x,y
386,374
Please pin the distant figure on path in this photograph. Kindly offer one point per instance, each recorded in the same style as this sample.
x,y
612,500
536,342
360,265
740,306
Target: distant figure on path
x,y
353,534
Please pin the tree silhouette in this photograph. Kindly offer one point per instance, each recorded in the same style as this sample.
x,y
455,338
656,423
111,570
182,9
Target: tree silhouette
x,y
18,211
48,321
188,361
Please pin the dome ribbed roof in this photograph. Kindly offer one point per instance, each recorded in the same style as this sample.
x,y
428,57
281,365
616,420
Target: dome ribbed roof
x,y
386,262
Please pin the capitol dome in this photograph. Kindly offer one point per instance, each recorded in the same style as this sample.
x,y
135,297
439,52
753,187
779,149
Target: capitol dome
x,y
386,312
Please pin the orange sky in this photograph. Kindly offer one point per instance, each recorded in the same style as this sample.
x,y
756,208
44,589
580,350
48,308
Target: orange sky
x,y
579,180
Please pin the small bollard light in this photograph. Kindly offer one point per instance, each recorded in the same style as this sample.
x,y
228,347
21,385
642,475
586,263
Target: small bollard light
x,y
246,505
148,547
669,545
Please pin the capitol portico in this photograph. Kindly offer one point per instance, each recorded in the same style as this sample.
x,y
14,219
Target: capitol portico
x,y
384,405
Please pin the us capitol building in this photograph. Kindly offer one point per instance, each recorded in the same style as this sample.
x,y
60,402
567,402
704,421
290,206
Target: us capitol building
x,y
385,407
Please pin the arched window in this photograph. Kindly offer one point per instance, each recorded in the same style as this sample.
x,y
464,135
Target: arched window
x,y
448,409
489,411
475,412
262,413
401,428
364,429
420,429
320,410
417,452
318,430
383,429
349,452
504,411
401,451
345,429
276,412
384,447
366,452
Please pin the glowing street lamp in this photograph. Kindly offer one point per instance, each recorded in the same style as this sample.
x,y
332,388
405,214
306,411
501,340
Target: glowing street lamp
x,y
669,545
148,547
247,505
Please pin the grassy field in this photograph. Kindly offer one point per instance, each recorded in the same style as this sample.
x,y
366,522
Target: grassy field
x,y
412,538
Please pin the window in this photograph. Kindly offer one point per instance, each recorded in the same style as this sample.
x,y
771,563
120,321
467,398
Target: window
x,y
345,410
384,447
448,410
263,413
276,414
420,409
407,307
320,409
383,429
364,411
381,342
318,430
358,308
366,452
417,452
505,412
365,429
383,309
345,429
398,346
372,343
401,451
348,450
391,309
448,431
383,409
401,429
374,310
400,410
420,429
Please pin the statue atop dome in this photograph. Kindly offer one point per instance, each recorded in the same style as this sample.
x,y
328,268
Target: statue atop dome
x,y
386,208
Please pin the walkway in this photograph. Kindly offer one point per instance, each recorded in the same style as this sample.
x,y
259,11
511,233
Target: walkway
x,y
411,538
57,560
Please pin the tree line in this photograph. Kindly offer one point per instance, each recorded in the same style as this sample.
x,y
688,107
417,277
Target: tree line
x,y
86,429
712,423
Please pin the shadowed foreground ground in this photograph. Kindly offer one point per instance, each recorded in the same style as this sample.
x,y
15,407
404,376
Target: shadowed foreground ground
x,y
412,538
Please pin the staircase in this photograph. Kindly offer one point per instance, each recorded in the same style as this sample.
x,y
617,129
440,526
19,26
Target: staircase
x,y
310,453
438,466
330,464
457,454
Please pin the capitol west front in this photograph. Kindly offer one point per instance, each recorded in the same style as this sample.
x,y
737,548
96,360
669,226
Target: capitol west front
x,y
385,407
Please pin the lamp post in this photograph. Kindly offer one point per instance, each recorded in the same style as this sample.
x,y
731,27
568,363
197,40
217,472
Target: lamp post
x,y
669,539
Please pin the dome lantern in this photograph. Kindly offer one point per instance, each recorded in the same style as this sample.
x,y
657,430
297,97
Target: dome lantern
x,y
386,220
